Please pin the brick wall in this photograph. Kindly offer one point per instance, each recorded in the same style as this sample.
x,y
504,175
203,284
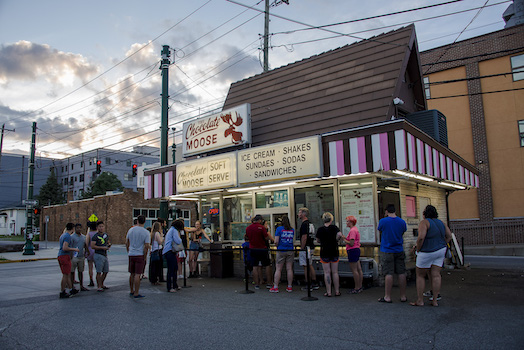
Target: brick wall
x,y
116,211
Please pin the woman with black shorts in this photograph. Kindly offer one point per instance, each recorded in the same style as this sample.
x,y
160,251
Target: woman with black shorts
x,y
328,237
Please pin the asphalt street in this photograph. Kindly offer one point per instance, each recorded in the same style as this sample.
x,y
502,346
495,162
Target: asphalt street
x,y
481,308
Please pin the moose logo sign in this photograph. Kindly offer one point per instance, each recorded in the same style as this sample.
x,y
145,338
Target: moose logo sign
x,y
225,129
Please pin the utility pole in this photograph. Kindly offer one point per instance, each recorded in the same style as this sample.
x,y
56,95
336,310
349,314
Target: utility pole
x,y
164,66
28,248
2,140
266,30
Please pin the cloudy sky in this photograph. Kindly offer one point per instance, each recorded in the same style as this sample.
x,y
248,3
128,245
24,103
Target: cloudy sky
x,y
88,72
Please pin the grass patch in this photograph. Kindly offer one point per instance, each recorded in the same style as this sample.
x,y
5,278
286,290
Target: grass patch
x,y
12,238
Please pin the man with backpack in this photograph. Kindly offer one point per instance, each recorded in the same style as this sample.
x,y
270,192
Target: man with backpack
x,y
307,232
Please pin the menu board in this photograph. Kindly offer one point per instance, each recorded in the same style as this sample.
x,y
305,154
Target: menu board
x,y
359,203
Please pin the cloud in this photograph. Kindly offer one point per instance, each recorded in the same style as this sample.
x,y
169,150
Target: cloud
x,y
28,61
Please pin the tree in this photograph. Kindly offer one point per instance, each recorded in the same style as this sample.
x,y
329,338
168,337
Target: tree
x,y
51,192
106,181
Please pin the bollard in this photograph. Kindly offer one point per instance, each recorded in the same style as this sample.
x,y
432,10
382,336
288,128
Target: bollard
x,y
308,284
184,267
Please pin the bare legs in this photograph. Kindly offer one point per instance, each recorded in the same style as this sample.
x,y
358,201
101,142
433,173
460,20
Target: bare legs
x,y
90,264
66,282
356,269
421,284
389,285
134,283
193,256
331,276
436,282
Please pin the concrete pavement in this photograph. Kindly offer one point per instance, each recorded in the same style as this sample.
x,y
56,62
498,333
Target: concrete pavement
x,y
481,309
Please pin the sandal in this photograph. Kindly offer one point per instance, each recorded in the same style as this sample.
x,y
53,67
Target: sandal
x,y
382,300
338,294
327,295
354,291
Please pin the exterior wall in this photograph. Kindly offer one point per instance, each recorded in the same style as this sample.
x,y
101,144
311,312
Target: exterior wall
x,y
502,112
12,220
460,135
116,211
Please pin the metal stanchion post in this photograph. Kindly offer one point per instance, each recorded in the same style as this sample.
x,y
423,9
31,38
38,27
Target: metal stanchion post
x,y
308,284
184,267
246,277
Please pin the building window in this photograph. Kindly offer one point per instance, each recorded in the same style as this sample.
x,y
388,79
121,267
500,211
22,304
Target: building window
x,y
72,179
91,160
82,164
65,181
128,163
426,88
81,177
517,67
72,166
521,132
128,177
108,161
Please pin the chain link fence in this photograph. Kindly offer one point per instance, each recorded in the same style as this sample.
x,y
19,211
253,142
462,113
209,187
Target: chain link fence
x,y
496,232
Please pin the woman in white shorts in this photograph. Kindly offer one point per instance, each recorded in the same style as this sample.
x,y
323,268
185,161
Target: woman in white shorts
x,y
433,236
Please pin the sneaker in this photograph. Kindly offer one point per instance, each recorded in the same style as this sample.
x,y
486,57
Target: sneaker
x,y
269,286
315,286
180,276
257,287
429,293
289,289
139,296
438,297
91,284
74,291
273,290
304,289
64,295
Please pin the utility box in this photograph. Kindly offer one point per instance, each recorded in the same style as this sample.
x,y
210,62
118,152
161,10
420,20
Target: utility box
x,y
432,122
221,261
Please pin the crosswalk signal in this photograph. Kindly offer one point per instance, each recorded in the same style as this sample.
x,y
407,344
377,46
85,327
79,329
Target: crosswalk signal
x,y
98,166
134,169
36,211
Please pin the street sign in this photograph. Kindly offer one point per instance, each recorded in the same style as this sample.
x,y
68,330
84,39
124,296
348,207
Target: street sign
x,y
93,218
30,202
47,218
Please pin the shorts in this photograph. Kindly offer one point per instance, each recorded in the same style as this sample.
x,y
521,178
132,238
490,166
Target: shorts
x,y
285,257
91,256
137,264
181,256
353,254
65,264
260,257
302,258
194,246
426,259
78,263
101,263
329,259
393,263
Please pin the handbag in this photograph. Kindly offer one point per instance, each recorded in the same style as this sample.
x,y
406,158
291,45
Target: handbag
x,y
177,247
155,256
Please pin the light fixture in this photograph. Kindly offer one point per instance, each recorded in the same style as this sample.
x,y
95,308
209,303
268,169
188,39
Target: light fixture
x,y
330,185
392,188
243,189
348,185
366,183
279,185
452,185
183,199
418,177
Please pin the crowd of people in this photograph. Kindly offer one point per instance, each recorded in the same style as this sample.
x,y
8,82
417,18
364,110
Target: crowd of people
x,y
433,235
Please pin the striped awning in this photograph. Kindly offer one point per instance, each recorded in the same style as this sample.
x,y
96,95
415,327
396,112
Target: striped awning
x,y
395,145
160,182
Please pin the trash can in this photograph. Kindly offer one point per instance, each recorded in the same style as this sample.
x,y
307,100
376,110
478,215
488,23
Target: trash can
x,y
221,261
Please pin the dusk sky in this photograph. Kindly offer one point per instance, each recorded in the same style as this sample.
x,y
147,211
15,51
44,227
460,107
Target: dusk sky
x,y
88,72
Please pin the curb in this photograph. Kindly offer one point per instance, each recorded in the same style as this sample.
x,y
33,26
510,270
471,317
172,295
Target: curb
x,y
24,260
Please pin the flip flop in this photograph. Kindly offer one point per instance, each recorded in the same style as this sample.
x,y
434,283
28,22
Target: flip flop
x,y
338,294
382,300
415,304
403,300
327,295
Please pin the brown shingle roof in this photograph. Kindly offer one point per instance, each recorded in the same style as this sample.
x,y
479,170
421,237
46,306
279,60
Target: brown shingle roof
x,y
346,87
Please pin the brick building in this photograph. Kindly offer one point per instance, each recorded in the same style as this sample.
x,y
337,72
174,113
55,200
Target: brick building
x,y
479,85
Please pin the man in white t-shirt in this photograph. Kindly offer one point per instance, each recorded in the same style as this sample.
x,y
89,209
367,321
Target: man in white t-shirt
x,y
138,242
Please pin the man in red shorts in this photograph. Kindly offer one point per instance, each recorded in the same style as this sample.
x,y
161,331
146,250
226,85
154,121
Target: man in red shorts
x,y
257,234
64,260
138,242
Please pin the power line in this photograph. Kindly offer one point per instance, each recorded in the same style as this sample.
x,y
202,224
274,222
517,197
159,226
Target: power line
x,y
477,93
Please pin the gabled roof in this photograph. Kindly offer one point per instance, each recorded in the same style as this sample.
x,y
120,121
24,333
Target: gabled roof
x,y
350,86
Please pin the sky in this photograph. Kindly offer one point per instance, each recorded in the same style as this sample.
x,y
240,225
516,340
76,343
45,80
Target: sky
x,y
88,72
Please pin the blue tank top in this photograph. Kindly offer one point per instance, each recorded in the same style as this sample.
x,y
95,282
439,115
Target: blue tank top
x,y
435,237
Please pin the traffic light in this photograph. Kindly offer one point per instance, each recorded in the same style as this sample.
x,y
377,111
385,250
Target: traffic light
x,y
37,211
98,166
134,169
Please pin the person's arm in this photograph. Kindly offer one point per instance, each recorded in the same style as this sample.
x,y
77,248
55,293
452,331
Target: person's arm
x,y
422,231
67,248
207,237
176,237
146,248
159,238
448,233
127,244
277,239
190,229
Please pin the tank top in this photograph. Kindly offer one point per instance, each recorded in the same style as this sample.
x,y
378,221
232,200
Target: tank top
x,y
435,237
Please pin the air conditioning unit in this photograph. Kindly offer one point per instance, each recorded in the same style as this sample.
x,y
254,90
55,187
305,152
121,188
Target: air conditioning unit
x,y
432,122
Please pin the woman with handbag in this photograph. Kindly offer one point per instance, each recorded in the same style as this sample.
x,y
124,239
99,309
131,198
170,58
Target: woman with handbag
x,y
195,246
156,269
172,244
433,236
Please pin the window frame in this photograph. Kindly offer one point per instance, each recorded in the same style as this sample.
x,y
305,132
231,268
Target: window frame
x,y
518,69
520,124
